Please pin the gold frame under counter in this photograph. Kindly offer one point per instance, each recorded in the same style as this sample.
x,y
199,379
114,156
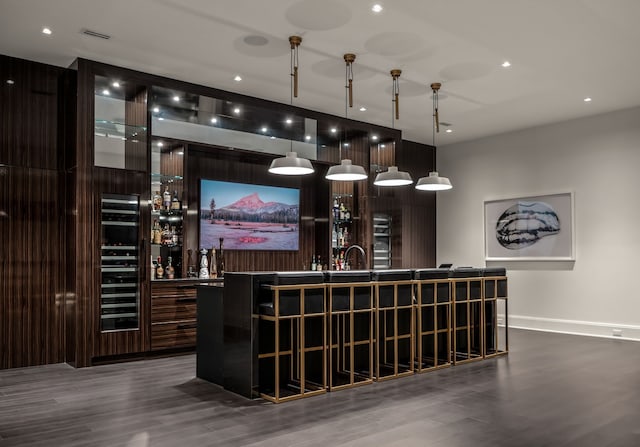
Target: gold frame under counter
x,y
294,380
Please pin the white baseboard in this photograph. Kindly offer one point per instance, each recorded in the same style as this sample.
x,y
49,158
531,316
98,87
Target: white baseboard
x,y
575,327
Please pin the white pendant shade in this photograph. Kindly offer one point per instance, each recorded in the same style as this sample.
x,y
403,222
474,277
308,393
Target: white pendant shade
x,y
346,171
291,164
433,183
393,177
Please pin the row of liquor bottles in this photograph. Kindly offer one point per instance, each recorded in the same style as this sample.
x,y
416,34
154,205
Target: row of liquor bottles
x,y
166,234
166,201
338,262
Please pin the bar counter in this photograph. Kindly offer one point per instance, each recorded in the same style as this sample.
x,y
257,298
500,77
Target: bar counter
x,y
287,335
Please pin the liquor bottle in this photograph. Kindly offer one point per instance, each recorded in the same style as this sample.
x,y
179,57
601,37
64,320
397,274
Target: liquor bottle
x,y
157,201
334,238
153,268
159,269
157,233
166,235
175,202
347,214
336,209
342,210
213,270
174,235
191,268
171,272
221,266
204,265
313,262
166,198
318,264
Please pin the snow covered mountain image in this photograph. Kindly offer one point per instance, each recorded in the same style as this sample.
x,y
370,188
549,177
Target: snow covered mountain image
x,y
249,217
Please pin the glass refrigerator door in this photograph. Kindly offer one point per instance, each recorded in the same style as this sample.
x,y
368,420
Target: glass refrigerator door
x,y
120,262
381,241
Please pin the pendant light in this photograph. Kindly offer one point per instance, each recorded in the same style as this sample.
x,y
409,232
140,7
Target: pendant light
x,y
346,171
433,182
394,177
291,164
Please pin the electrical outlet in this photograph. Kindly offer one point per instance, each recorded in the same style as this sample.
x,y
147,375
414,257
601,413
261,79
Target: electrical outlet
x,y
617,332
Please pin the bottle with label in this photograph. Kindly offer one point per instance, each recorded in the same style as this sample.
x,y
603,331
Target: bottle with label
x,y
318,264
313,262
221,265
170,270
175,202
166,198
336,209
159,269
204,265
174,235
334,238
166,235
157,201
342,210
153,268
213,270
157,233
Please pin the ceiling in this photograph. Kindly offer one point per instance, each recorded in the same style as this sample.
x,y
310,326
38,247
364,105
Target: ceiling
x,y
560,53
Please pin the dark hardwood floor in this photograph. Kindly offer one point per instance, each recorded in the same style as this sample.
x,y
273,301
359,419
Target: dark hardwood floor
x,y
552,390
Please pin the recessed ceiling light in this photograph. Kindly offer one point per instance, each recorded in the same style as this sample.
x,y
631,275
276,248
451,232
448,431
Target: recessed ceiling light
x,y
236,110
382,146
237,78
288,121
176,98
449,130
363,109
376,8
374,137
106,92
307,137
160,144
587,99
264,129
46,31
334,130
156,110
214,120
10,81
506,64
115,84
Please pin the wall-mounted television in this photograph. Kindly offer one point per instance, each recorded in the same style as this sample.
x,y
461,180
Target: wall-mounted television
x,y
249,217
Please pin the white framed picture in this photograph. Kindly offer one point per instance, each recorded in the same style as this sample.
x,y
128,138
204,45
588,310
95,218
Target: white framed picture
x,y
530,228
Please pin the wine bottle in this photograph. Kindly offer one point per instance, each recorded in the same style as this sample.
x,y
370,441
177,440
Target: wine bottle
x,y
313,263
159,269
221,266
171,271
213,270
175,202
166,198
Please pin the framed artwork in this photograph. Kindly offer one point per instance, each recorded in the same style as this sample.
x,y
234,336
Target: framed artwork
x,y
535,228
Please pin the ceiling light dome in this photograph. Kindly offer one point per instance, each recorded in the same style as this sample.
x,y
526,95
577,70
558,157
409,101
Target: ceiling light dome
x,y
291,164
433,183
346,171
393,177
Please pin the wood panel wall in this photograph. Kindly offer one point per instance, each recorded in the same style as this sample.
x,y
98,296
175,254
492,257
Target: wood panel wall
x,y
31,216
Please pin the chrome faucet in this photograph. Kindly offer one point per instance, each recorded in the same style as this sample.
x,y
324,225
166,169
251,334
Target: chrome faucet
x,y
360,249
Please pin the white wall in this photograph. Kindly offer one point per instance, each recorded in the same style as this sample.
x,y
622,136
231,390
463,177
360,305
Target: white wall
x,y
598,158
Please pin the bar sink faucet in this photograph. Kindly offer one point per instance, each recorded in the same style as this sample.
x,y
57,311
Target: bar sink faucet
x,y
360,249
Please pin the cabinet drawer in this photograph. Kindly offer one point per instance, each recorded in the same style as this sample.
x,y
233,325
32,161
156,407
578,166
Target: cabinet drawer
x,y
170,304
181,334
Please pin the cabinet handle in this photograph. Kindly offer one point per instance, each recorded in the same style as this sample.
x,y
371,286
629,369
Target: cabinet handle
x,y
187,326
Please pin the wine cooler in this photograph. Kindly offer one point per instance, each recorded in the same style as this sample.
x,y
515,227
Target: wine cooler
x,y
120,262
381,241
